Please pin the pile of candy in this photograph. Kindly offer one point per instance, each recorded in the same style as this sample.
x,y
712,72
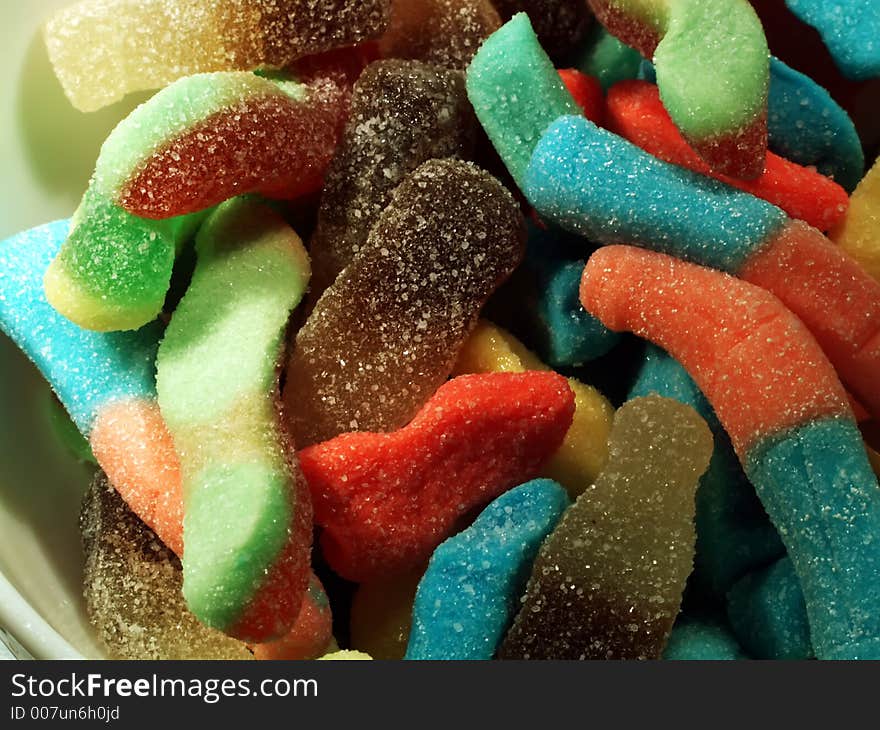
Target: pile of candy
x,y
301,316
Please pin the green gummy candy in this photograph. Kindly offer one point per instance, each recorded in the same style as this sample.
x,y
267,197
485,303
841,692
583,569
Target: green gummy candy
x,y
217,384
516,92
608,59
67,433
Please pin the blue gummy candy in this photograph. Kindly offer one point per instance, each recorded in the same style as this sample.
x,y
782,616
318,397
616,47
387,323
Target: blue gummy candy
x,y
86,369
818,488
767,613
808,127
734,534
470,593
590,181
702,639
850,29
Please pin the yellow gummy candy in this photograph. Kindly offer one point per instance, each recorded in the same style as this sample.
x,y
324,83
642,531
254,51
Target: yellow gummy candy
x,y
381,615
346,655
584,452
859,233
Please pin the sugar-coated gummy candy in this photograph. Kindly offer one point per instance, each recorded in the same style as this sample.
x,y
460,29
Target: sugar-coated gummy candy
x,y
385,335
87,370
381,614
779,399
587,93
591,182
66,432
403,114
767,612
850,29
607,58
636,113
859,233
699,638
311,635
584,452
469,594
516,92
734,534
445,33
713,72
132,586
386,500
807,126
196,143
247,517
561,25
346,655
103,49
608,582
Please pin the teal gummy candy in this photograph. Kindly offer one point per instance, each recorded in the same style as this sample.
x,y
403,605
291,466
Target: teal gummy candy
x,y
850,29
566,334
702,639
734,534
470,593
516,92
591,182
808,127
820,491
607,58
87,370
767,612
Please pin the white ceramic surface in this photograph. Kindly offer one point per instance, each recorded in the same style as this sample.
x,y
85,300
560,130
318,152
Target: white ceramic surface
x,y
47,150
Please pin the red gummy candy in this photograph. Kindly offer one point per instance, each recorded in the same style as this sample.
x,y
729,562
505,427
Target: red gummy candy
x,y
636,113
386,500
587,92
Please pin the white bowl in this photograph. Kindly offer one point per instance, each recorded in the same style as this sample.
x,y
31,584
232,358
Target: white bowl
x,y
48,152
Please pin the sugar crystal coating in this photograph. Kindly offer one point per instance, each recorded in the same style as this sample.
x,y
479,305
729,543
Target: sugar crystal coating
x,y
132,586
444,33
702,639
712,68
608,582
386,500
403,114
859,234
767,612
385,335
469,593
561,25
103,49
247,519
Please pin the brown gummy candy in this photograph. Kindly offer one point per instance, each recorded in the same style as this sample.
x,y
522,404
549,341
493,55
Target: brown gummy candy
x,y
386,334
608,582
443,32
132,586
403,113
561,25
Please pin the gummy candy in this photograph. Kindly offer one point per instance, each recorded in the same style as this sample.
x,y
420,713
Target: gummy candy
x,y
381,615
445,33
132,587
593,183
850,29
561,25
734,534
386,500
701,639
196,143
859,233
468,596
516,92
247,521
786,413
636,113
608,582
587,93
346,655
607,58
713,72
768,615
310,636
103,49
385,335
402,115
584,451
67,433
